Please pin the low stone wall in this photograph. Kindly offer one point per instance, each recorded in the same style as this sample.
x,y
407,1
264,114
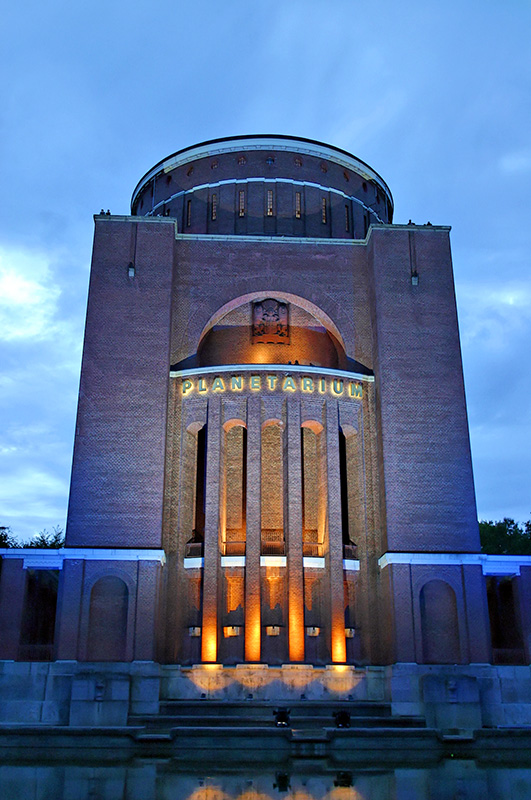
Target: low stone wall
x,y
462,697
104,694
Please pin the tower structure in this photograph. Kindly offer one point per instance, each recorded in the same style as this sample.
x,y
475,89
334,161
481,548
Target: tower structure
x,y
271,459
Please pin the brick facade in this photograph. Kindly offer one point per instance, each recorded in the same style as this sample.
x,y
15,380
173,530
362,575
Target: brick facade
x,y
270,482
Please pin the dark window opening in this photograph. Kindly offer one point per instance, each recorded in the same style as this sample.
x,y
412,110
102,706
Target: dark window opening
x,y
38,621
344,489
200,484
214,207
241,204
242,161
269,207
323,210
347,218
188,213
506,635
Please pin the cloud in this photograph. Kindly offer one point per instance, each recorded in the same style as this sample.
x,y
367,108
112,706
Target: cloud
x,y
28,295
493,317
516,162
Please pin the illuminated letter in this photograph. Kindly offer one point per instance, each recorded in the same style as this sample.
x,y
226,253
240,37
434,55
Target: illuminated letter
x,y
202,385
187,386
356,390
289,385
236,382
272,381
307,385
255,382
218,385
322,386
337,386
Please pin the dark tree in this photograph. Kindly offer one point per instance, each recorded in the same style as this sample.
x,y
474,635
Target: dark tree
x,y
53,539
6,537
505,537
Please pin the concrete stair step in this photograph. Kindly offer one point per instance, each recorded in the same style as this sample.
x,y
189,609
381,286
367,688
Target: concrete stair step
x,y
254,710
166,722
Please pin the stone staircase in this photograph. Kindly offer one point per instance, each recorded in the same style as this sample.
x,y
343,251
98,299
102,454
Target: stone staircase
x,y
308,721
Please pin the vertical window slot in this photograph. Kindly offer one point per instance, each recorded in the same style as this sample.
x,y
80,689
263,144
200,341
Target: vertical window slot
x,y
298,205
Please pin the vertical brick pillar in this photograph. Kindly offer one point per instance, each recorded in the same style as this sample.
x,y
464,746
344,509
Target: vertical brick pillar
x,y
69,609
335,535
253,532
12,590
293,527
148,577
209,640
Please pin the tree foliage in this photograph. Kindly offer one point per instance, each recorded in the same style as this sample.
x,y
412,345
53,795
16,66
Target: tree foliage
x,y
53,539
6,537
505,537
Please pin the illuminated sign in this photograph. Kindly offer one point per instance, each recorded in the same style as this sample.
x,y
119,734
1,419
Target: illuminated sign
x,y
337,387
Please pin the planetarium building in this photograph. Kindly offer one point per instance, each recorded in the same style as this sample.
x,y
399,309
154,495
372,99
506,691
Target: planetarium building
x,y
272,462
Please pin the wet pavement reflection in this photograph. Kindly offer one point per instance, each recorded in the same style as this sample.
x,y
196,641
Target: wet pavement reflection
x,y
451,779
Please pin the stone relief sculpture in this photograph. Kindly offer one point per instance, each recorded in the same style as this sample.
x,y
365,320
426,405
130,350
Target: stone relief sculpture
x,y
270,322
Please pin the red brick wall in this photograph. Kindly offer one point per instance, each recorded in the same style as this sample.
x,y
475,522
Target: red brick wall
x,y
118,469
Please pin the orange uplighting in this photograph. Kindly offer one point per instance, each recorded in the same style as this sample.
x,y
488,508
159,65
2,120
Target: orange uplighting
x,y
252,633
209,643
339,645
296,627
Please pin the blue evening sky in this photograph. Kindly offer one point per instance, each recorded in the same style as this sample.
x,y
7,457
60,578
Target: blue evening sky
x,y
436,96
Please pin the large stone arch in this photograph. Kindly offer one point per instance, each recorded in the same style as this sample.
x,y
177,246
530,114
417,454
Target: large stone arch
x,y
308,335
287,297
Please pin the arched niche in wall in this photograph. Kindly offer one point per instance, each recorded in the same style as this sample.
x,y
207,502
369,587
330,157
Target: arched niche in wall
x,y
440,632
107,634
271,329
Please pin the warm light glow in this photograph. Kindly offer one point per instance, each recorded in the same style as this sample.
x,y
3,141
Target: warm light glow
x,y
296,626
231,630
341,679
252,633
289,385
297,676
337,387
253,676
339,645
218,385
210,678
209,792
209,643
344,793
